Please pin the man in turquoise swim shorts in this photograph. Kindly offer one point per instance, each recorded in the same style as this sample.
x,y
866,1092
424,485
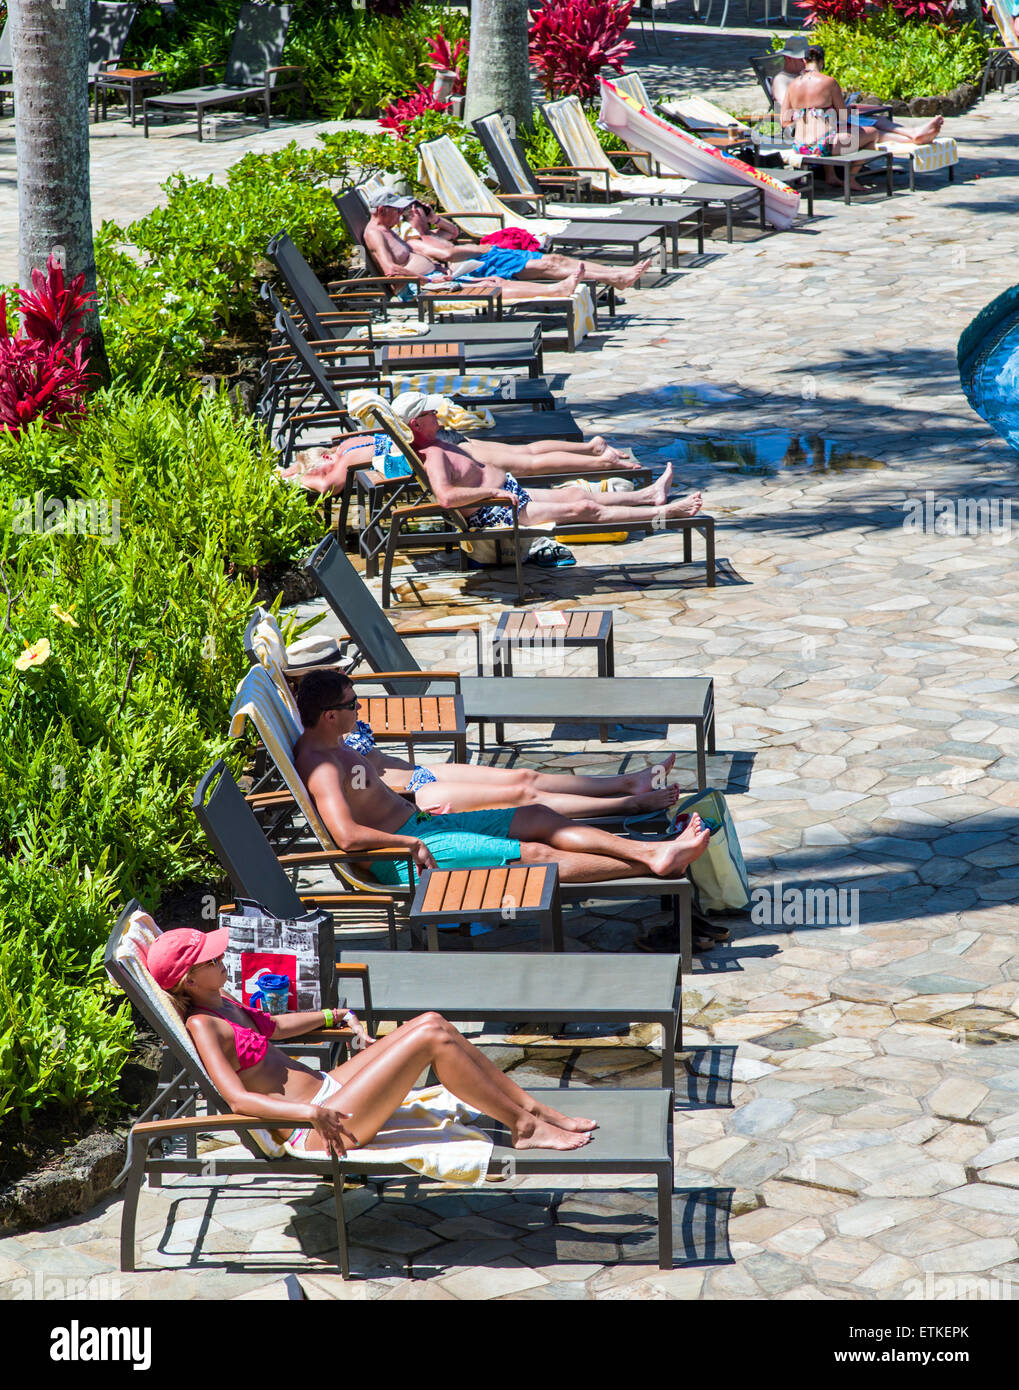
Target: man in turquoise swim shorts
x,y
362,814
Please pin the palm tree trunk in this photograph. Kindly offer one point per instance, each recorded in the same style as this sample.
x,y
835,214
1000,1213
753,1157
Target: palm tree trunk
x,y
498,76
50,59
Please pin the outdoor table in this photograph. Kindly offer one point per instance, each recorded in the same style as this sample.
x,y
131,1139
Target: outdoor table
x,y
583,627
507,986
628,236
133,82
493,896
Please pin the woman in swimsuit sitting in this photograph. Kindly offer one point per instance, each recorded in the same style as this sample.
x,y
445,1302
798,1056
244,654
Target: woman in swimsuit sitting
x,y
815,106
256,1078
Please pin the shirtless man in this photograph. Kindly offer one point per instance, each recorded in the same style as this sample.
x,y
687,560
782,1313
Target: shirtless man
x,y
437,256
794,56
361,813
814,104
326,471
487,495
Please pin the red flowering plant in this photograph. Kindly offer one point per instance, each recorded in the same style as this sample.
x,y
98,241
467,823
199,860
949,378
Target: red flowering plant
x,y
400,113
931,11
837,11
446,57
570,40
43,369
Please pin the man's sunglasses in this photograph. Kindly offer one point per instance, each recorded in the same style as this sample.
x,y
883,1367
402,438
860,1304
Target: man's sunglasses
x,y
347,704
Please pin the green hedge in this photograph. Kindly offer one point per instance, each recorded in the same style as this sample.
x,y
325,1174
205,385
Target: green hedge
x,y
106,738
898,59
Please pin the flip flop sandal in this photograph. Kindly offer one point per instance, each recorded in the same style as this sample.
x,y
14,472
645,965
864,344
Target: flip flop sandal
x,y
551,557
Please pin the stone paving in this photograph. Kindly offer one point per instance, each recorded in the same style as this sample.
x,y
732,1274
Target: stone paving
x,y
849,1088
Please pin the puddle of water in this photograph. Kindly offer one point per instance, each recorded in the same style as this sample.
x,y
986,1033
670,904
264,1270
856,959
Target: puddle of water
x,y
766,453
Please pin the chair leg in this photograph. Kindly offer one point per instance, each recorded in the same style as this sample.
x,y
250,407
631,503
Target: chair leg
x,y
341,1223
129,1214
664,1218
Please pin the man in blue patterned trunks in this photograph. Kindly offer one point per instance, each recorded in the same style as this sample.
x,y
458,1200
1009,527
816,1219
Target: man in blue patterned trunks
x,y
487,495
493,266
361,813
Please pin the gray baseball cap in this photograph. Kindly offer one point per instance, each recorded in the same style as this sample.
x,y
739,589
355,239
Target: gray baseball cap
x,y
387,198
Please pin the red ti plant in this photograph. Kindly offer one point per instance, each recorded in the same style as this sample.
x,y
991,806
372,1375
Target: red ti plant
x,y
932,11
571,39
840,11
399,115
446,57
43,369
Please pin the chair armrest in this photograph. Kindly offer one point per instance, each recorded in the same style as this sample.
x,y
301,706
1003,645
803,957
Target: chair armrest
x,y
204,68
351,970
420,630
485,216
380,677
286,67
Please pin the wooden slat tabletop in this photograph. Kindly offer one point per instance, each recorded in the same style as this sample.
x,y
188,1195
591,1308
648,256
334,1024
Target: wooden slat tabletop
x,y
470,892
397,715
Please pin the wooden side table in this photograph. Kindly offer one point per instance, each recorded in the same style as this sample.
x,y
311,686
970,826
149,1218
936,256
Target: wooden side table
x,y
515,892
133,82
584,627
423,356
417,719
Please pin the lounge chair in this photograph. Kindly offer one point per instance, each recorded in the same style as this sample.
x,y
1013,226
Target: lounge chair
x,y
427,720
109,24
260,700
509,160
457,531
251,71
1002,64
639,701
477,210
583,153
579,312
574,987
312,378
634,1133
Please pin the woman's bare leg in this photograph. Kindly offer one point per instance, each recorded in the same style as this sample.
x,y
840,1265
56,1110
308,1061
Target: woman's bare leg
x,y
482,796
377,1082
475,786
568,510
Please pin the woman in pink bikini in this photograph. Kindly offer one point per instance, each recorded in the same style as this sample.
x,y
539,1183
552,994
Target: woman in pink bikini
x,y
256,1078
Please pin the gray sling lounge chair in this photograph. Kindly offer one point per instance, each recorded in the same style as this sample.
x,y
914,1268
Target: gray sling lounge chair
x,y
459,531
514,699
581,987
549,312
634,1132
109,24
251,72
260,701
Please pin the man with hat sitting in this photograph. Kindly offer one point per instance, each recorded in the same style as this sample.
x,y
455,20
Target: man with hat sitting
x,y
482,267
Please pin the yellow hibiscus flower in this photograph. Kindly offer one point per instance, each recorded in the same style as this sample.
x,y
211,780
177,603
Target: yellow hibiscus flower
x,y
64,617
34,655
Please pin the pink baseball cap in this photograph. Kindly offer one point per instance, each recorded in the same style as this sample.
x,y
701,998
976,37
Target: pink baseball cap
x,y
173,954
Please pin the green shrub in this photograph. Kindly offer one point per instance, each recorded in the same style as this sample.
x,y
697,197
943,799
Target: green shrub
x,y
108,733
177,281
543,150
363,156
897,59
356,61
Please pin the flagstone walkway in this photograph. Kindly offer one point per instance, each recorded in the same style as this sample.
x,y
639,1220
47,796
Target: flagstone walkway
x,y
849,1091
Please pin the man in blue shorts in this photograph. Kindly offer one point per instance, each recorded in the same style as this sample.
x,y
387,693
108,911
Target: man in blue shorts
x,y
362,813
498,267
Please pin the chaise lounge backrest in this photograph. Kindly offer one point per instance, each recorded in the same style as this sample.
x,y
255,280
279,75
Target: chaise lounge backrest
x,y
766,67
357,609
109,25
239,844
506,155
258,45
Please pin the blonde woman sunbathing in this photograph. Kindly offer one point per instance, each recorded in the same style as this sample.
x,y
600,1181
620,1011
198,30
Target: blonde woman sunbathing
x,y
346,1107
327,473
